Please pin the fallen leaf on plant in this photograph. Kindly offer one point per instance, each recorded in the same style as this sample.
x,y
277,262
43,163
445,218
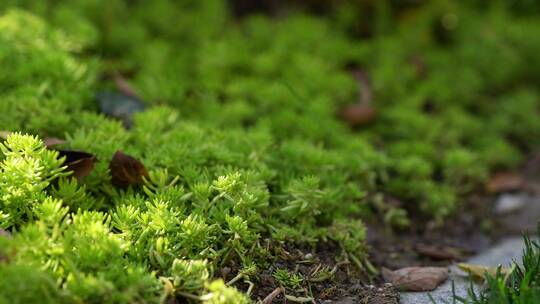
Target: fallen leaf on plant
x,y
416,278
479,272
126,170
81,163
359,114
440,252
505,181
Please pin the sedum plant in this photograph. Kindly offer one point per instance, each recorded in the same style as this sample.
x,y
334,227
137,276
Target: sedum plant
x,y
26,170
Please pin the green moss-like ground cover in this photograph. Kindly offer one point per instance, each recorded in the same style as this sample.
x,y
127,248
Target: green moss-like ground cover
x,y
241,138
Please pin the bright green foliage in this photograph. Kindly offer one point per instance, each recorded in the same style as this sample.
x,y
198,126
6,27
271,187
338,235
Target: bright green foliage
x,y
287,279
74,195
305,198
211,221
79,250
219,293
241,135
28,285
190,275
40,75
26,169
349,234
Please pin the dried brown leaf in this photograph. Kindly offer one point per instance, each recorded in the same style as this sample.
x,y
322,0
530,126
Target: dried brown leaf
x,y
479,271
505,181
361,113
416,278
440,253
126,170
358,115
81,163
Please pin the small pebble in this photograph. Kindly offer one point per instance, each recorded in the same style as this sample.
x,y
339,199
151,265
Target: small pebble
x,y
507,203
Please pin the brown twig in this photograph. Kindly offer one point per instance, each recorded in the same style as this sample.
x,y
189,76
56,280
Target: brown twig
x,y
270,297
123,86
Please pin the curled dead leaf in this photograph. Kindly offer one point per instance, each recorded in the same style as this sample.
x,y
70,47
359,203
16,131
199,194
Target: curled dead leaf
x,y
479,272
440,253
505,182
81,163
126,170
361,113
416,278
358,115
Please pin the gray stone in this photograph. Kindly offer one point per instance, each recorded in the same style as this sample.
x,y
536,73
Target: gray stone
x,y
457,284
507,203
524,218
503,254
